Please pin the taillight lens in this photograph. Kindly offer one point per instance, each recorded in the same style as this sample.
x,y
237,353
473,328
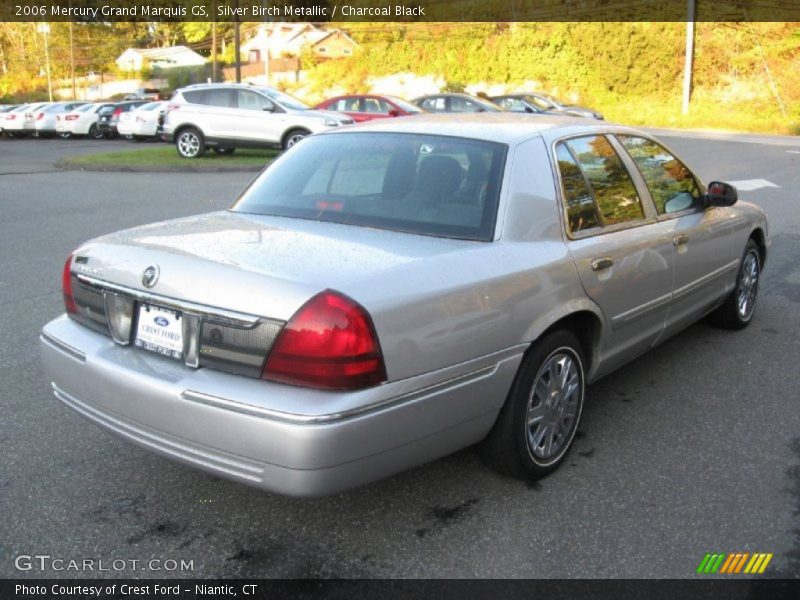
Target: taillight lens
x,y
330,343
40,116
11,117
66,286
71,117
117,112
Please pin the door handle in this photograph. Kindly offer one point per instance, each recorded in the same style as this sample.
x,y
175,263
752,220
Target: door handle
x,y
600,264
679,239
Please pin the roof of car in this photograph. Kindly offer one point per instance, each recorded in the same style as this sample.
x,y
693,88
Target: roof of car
x,y
504,127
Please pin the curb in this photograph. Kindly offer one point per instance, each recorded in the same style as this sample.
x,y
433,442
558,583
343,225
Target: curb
x,y
67,165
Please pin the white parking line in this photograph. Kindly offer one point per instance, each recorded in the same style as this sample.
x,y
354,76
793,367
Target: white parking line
x,y
747,185
793,151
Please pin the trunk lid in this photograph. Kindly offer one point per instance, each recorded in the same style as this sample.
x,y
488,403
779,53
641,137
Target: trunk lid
x,y
259,265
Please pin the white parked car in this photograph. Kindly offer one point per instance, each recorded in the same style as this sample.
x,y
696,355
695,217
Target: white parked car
x,y
229,116
44,120
141,122
3,111
19,121
81,121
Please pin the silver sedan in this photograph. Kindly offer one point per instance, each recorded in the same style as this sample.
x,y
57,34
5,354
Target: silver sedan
x,y
386,294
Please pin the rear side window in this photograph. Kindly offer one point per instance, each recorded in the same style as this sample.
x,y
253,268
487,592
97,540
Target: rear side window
x,y
218,98
426,184
614,192
581,210
346,105
194,97
672,185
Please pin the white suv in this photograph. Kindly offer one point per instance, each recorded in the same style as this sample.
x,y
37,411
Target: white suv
x,y
228,116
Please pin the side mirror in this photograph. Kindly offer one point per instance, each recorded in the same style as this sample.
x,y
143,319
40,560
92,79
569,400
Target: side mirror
x,y
269,108
721,194
528,109
394,113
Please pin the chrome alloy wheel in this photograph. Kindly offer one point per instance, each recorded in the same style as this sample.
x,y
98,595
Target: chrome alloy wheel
x,y
747,285
189,144
293,139
554,406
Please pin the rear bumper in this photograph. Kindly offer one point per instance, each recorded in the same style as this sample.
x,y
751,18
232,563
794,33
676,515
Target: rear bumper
x,y
230,426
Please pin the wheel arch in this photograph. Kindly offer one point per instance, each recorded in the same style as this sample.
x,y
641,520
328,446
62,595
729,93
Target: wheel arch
x,y
291,130
582,318
758,236
183,127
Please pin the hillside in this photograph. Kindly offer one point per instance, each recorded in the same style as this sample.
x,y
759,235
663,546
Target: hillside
x,y
745,74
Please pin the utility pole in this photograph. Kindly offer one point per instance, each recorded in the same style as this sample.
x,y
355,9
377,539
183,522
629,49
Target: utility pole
x,y
689,59
214,51
237,58
72,63
44,28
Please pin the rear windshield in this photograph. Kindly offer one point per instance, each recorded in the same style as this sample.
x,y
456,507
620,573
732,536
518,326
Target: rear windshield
x,y
431,185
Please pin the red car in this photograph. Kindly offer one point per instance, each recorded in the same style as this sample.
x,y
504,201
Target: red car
x,y
368,107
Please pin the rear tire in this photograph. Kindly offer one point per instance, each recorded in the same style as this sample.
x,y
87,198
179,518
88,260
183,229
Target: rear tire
x,y
536,426
740,305
190,143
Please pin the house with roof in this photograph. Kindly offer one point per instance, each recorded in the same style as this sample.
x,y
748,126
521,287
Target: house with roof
x,y
283,40
136,59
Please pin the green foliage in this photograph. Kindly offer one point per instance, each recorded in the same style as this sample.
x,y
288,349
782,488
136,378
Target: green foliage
x,y
631,72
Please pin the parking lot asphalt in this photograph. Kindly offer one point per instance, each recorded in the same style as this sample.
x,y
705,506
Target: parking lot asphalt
x,y
692,448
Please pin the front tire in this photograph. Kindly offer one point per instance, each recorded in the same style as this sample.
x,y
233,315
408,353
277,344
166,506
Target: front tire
x,y
190,143
95,133
740,305
293,137
537,424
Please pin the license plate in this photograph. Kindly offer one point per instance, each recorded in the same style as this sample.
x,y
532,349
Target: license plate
x,y
159,330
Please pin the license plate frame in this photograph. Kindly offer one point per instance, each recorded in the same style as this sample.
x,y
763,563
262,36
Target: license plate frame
x,y
159,330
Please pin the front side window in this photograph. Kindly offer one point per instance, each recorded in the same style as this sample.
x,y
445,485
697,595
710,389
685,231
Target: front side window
x,y
425,184
376,106
614,191
672,186
251,100
512,104
458,104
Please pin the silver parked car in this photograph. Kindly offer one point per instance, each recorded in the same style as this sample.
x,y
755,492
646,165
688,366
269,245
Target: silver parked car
x,y
387,294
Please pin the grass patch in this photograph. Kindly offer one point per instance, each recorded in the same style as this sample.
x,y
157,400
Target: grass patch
x,y
165,157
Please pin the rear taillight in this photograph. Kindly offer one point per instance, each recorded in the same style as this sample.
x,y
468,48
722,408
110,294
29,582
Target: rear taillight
x,y
71,117
40,116
117,112
10,117
330,343
66,286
